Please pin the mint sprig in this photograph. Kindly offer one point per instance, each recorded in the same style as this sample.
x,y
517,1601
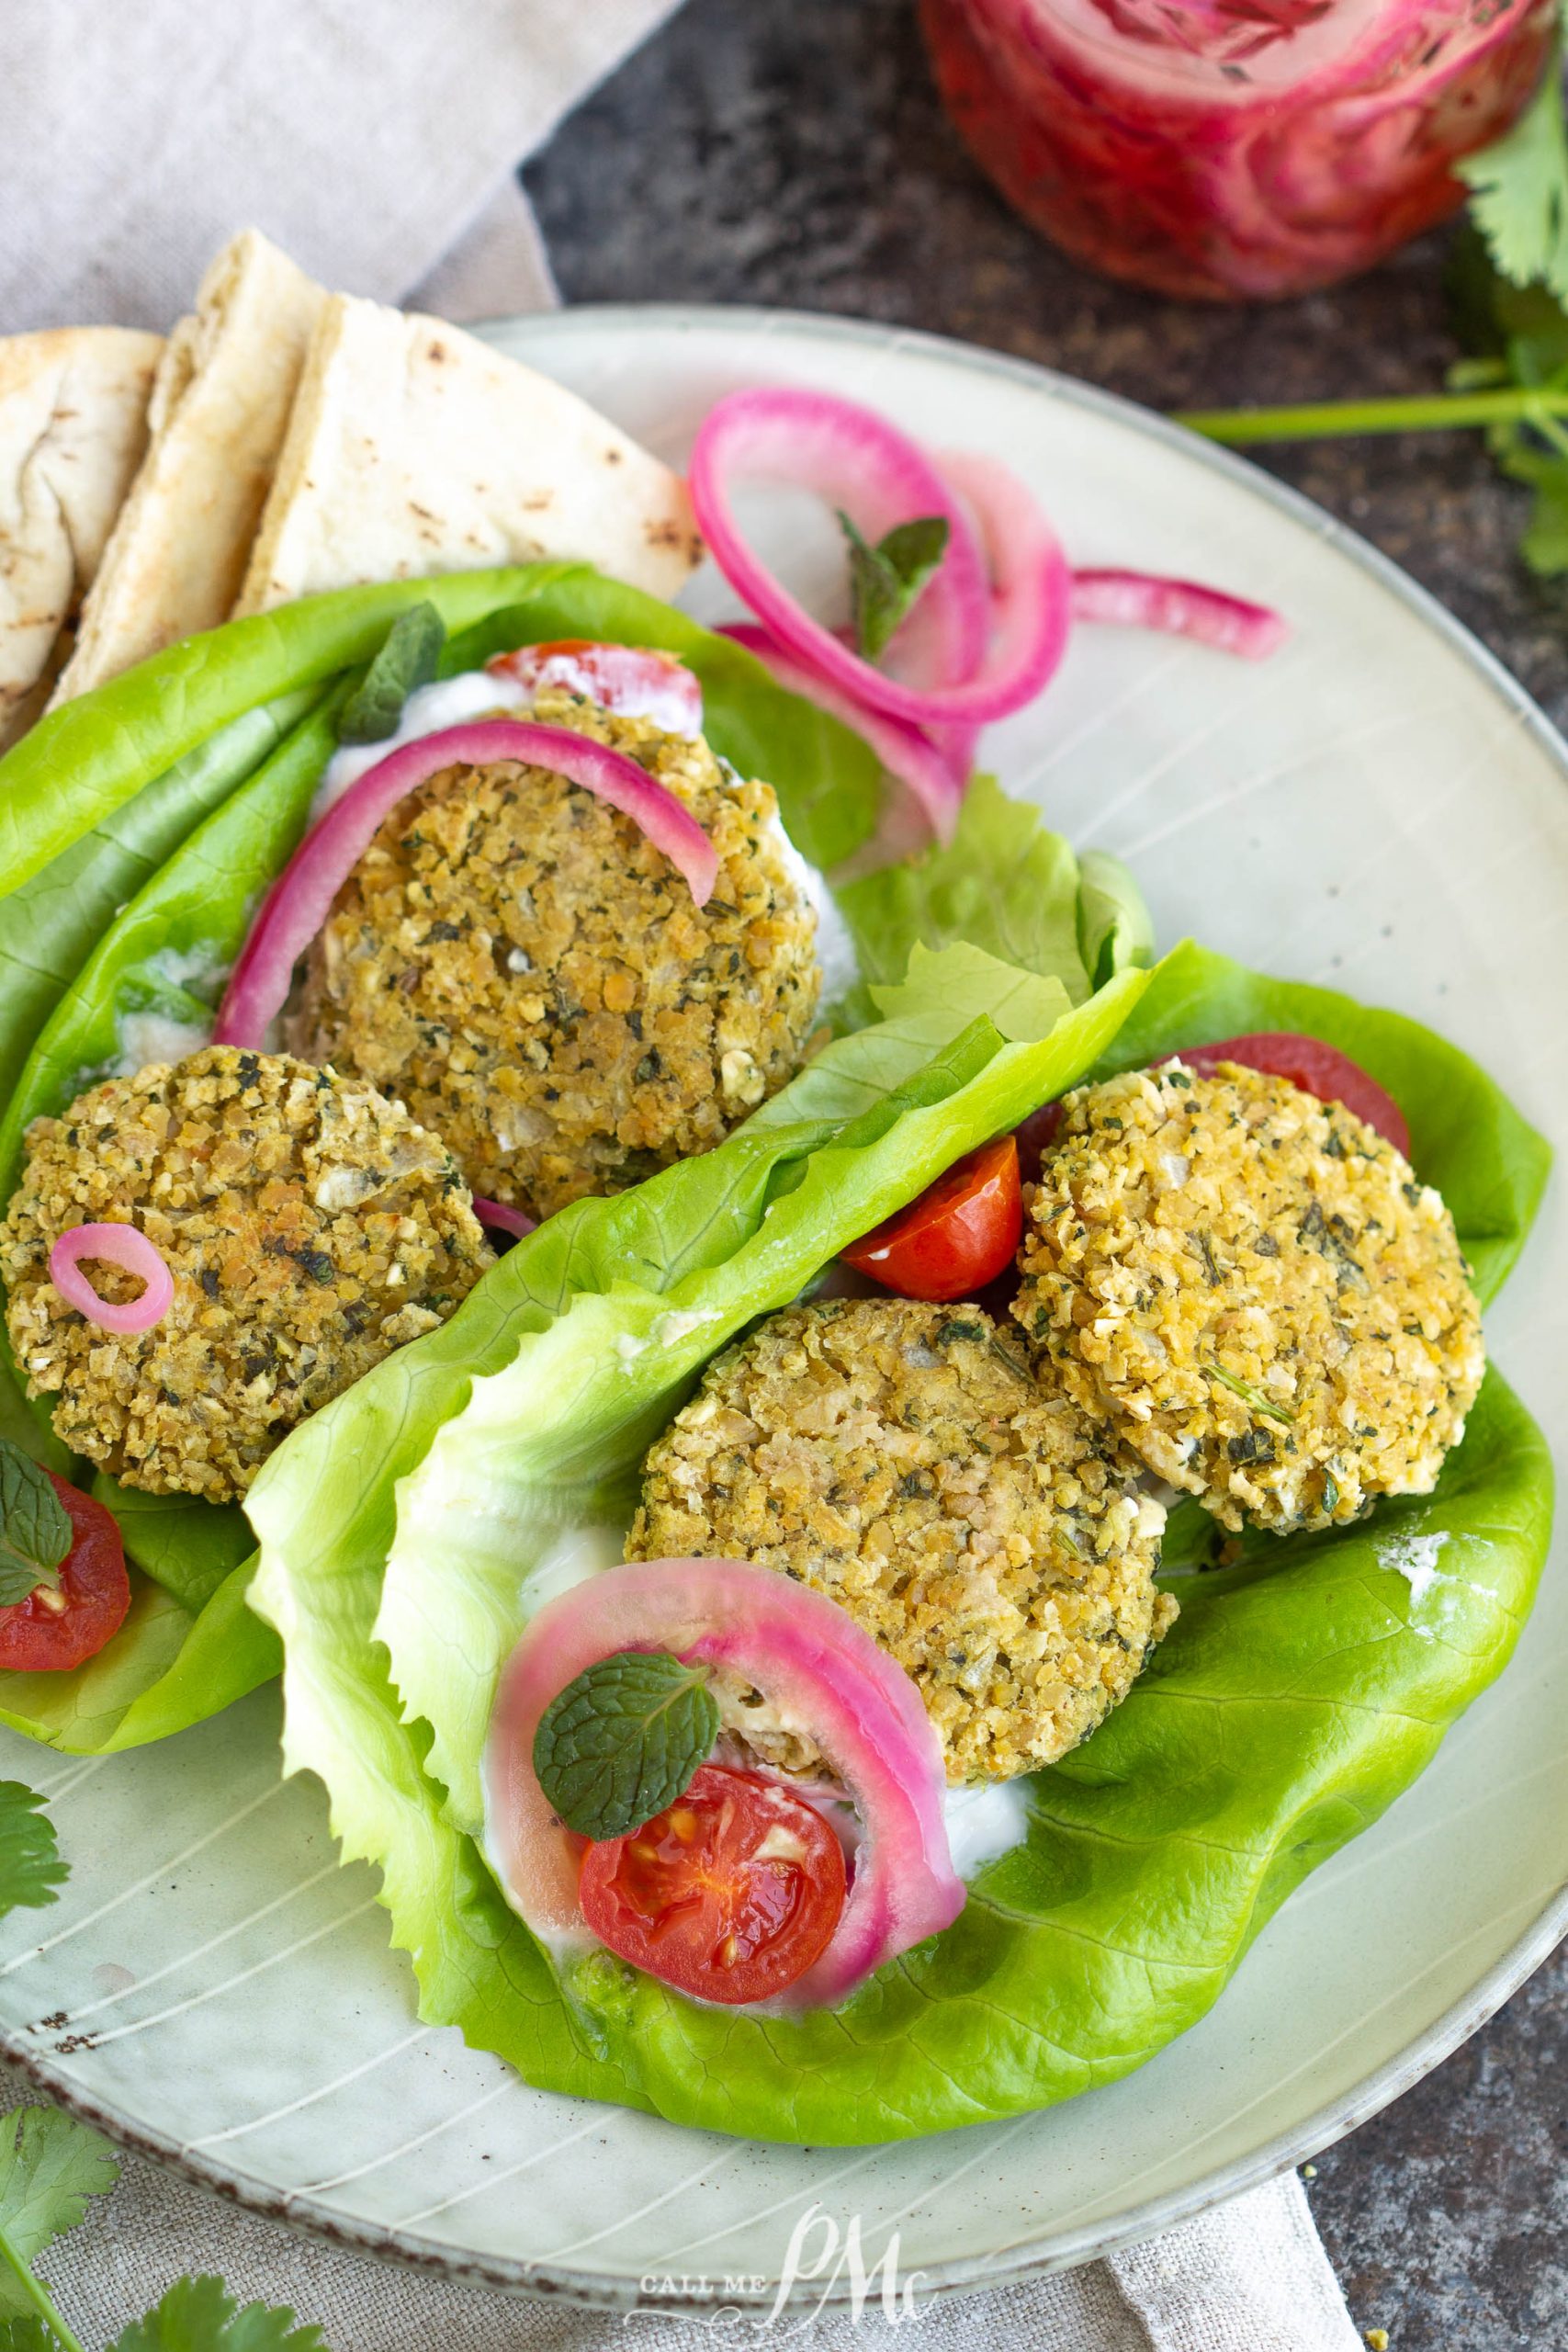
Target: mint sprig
x,y
35,1531
885,580
410,655
624,1740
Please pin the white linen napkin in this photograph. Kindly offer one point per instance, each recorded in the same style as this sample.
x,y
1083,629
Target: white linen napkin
x,y
377,142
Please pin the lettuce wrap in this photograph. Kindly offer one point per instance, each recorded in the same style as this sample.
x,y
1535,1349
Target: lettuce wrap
x,y
1155,1851
407,1529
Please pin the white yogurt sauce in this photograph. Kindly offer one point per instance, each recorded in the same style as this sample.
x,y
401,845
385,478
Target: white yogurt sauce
x,y
984,1823
1414,1557
448,702
147,1036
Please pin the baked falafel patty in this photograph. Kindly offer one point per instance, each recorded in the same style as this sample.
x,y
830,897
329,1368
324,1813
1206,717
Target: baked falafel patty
x,y
897,1457
1255,1291
516,960
311,1228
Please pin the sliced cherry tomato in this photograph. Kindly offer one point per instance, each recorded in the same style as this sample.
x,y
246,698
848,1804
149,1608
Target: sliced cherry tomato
x,y
636,680
731,1894
1315,1068
956,1236
58,1627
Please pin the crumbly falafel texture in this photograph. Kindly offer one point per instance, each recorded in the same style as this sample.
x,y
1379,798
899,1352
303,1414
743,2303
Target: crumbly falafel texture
x,y
311,1225
901,1459
1255,1293
516,960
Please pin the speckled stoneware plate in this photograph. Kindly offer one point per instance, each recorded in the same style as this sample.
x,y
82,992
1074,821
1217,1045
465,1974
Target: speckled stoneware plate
x,y
1381,806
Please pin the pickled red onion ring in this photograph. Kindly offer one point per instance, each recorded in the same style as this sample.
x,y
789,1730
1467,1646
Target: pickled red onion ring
x,y
1182,608
903,750
118,1245
300,900
865,465
504,1220
808,1656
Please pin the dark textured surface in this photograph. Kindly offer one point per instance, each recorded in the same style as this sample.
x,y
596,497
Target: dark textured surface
x,y
796,155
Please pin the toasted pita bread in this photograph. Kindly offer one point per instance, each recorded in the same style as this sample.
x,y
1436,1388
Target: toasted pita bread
x,y
415,448
73,430
219,409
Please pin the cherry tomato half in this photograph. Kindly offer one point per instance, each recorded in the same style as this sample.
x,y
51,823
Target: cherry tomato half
x,y
1315,1068
956,1236
731,1894
636,680
55,1628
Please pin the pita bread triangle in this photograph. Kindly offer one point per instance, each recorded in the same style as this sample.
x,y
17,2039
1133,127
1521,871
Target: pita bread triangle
x,y
219,410
73,431
415,448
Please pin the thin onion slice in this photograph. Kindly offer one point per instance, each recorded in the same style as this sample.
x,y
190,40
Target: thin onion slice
x,y
822,1671
864,465
301,898
504,1220
125,1246
903,750
636,680
1180,608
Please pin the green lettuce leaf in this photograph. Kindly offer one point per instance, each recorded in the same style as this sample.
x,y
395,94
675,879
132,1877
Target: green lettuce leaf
x,y
1007,884
1156,1852
608,1311
167,1667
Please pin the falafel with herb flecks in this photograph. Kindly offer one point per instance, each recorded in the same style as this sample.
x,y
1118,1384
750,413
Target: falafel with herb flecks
x,y
1254,1290
903,1459
310,1228
516,961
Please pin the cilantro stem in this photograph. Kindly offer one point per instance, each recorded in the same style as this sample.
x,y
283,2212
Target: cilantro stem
x,y
1421,413
39,2296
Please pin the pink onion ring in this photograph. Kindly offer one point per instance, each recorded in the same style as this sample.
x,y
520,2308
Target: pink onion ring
x,y
118,1245
300,900
875,473
903,750
1182,608
505,1221
802,1651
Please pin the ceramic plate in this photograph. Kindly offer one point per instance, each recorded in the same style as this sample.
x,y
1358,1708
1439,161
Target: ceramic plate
x,y
1382,808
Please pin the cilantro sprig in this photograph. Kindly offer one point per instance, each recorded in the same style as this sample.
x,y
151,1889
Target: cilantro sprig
x,y
1508,298
51,2167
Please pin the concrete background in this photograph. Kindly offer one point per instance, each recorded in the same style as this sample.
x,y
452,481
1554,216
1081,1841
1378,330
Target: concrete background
x,y
796,154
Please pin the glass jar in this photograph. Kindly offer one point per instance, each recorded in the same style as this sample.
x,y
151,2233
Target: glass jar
x,y
1233,149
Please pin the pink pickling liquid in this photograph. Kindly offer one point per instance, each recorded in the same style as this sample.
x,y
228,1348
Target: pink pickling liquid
x,y
1233,149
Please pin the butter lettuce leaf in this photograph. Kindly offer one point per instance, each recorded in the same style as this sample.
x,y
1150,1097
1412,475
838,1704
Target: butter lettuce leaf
x,y
1154,1853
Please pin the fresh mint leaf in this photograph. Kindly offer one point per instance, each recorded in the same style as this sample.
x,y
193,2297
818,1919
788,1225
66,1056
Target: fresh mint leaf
x,y
624,1740
35,1533
201,2315
1519,190
408,660
30,1868
884,580
50,2165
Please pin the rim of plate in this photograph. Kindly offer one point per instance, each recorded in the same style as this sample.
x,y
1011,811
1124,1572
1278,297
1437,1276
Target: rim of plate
x,y
1031,2257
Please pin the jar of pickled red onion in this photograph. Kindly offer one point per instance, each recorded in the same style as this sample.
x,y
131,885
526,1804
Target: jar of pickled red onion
x,y
1234,149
